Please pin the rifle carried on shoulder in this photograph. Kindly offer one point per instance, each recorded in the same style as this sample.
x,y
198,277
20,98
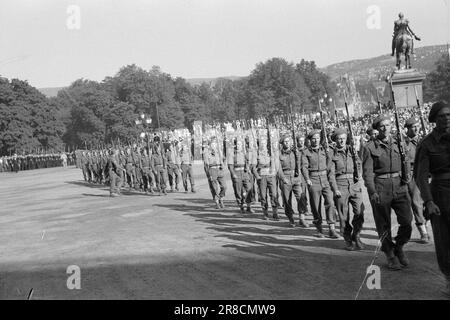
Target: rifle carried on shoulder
x,y
400,140
353,143
296,172
422,122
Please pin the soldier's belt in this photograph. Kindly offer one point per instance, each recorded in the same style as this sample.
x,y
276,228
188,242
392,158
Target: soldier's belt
x,y
440,176
317,173
214,165
288,171
388,175
344,176
239,168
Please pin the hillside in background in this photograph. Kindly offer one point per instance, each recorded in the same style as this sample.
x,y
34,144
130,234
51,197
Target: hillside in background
x,y
374,69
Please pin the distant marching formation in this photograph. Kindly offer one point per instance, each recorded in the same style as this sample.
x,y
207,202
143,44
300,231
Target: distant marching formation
x,y
275,160
16,163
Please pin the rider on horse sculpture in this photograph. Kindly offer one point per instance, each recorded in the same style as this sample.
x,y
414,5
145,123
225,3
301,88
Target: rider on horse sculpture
x,y
401,26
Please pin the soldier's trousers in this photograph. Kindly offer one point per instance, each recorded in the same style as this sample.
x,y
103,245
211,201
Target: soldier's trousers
x,y
130,178
416,203
115,182
393,195
186,170
321,187
268,183
160,177
441,224
293,186
147,179
217,179
303,205
351,197
174,175
252,192
242,187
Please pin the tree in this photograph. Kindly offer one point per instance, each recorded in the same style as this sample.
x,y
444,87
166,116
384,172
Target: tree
x,y
437,83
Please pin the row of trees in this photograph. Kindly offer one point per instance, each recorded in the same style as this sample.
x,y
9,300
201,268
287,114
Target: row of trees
x,y
90,113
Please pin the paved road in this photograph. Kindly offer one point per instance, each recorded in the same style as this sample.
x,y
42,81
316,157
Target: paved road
x,y
178,247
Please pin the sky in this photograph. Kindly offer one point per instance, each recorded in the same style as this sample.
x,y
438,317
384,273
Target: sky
x,y
49,44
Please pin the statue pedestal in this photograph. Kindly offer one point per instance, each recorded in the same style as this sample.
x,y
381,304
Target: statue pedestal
x,y
403,83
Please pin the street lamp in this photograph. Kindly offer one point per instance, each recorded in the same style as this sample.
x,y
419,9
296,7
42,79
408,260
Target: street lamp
x,y
145,121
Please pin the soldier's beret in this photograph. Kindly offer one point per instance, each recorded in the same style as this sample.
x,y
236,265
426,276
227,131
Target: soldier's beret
x,y
378,119
338,132
312,133
411,121
435,108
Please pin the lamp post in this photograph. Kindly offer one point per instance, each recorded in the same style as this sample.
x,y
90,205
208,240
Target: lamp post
x,y
145,121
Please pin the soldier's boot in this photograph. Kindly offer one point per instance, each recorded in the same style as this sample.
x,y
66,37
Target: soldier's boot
x,y
291,221
192,189
332,232
242,208
221,203
249,208
392,261
266,214
302,222
404,261
349,245
275,214
359,245
424,237
164,193
176,188
319,233
217,204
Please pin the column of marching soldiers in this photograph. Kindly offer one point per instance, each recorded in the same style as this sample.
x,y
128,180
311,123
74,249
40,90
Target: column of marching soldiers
x,y
322,163
33,161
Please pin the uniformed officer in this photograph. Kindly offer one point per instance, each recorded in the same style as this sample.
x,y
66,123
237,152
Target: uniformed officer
x,y
387,190
411,141
146,171
318,172
265,174
290,181
214,164
238,164
303,208
347,191
433,158
130,168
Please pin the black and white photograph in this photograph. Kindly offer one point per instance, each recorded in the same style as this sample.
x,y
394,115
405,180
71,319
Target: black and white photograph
x,y
225,155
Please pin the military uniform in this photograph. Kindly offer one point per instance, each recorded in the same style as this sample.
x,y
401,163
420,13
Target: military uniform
x,y
115,175
290,181
238,164
186,168
214,166
382,175
173,168
350,194
159,165
317,168
433,158
146,172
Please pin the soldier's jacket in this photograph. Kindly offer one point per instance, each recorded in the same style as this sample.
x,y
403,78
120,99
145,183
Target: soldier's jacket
x,y
316,160
185,157
158,159
342,162
432,157
114,165
411,146
264,166
238,159
288,163
381,158
171,156
146,164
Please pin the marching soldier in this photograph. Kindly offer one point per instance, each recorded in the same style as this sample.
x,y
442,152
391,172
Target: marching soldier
x,y
238,164
290,181
214,164
303,207
318,172
347,192
115,173
129,168
433,158
265,174
146,171
412,140
159,165
387,190
172,167
186,160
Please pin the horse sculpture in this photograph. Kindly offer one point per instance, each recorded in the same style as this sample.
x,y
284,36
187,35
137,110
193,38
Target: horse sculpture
x,y
403,44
